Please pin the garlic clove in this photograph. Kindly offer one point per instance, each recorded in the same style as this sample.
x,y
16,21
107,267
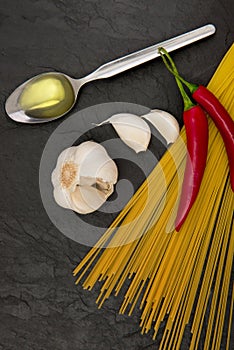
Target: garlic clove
x,y
63,197
132,130
99,165
86,148
165,123
87,199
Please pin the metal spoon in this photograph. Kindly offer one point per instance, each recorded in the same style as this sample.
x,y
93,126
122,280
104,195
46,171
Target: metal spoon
x,y
49,96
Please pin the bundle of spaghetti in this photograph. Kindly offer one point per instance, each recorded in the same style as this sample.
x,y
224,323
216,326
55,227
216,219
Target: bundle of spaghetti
x,y
176,277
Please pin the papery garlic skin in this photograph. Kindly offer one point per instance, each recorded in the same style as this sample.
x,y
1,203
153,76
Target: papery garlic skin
x,y
84,177
62,176
165,123
132,130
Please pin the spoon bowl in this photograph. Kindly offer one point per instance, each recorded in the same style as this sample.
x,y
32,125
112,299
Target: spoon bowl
x,y
49,96
45,97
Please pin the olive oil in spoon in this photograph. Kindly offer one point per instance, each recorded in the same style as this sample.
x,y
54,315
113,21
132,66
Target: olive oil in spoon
x,y
47,96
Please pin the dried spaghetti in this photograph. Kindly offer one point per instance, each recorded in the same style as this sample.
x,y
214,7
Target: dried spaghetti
x,y
166,269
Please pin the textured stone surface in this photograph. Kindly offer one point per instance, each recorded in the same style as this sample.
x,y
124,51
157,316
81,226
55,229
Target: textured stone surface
x,y
40,307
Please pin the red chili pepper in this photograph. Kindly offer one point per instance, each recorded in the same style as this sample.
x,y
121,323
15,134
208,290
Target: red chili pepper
x,y
196,127
222,120
214,108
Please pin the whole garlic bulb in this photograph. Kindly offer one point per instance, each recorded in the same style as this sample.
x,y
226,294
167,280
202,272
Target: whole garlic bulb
x,y
84,177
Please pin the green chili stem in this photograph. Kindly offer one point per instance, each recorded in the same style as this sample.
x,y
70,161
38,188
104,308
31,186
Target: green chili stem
x,y
187,102
192,87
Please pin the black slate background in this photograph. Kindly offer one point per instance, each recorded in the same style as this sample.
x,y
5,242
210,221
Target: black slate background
x,y
40,307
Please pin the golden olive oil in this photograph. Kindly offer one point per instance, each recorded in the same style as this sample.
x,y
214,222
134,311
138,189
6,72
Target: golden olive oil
x,y
47,96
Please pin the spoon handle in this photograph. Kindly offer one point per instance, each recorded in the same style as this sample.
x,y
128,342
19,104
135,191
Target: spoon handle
x,y
135,59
